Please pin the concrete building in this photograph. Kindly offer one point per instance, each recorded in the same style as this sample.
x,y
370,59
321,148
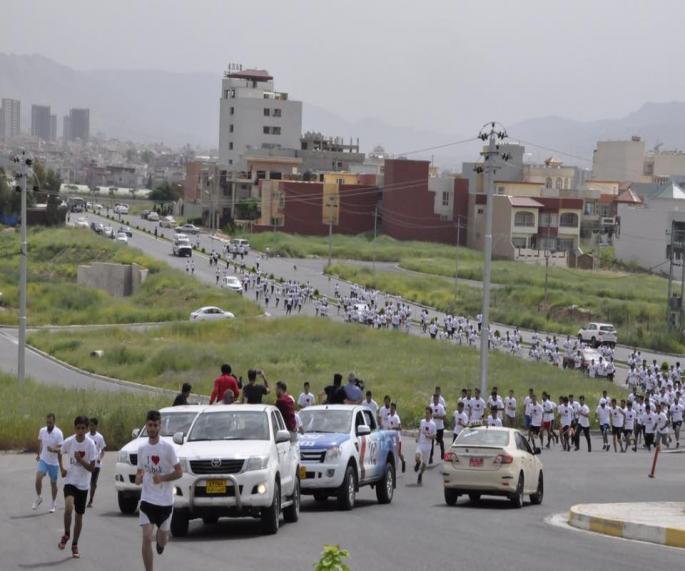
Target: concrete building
x,y
320,153
40,122
53,127
66,128
255,116
79,124
554,175
119,280
619,160
512,169
10,118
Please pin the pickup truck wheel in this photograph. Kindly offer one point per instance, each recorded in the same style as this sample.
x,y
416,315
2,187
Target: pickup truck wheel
x,y
320,497
292,513
385,487
271,516
179,524
451,496
127,504
347,493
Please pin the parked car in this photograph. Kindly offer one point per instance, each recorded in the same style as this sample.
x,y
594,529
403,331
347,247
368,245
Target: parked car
x,y
493,461
176,419
153,216
596,334
238,461
121,209
236,244
189,229
126,230
108,231
342,449
82,223
122,237
182,248
167,222
232,283
97,227
210,313
144,214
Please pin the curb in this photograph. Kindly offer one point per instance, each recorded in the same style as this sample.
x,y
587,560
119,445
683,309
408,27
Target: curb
x,y
661,535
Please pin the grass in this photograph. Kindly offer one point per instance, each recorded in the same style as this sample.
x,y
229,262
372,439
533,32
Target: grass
x,y
55,298
305,349
25,408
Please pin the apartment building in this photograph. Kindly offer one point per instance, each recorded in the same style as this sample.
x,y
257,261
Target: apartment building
x,y
41,122
10,118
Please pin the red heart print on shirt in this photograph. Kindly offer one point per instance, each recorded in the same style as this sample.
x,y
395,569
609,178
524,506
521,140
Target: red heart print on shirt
x,y
81,453
155,459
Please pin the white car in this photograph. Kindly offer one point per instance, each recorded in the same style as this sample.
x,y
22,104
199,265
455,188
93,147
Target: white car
x,y
238,244
182,247
108,231
597,334
122,237
82,223
210,312
153,216
175,419
167,222
232,283
120,209
492,461
238,461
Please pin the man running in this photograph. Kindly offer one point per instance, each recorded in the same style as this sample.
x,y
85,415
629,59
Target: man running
x,y
617,422
100,446
583,424
461,420
158,466
548,408
394,423
536,414
604,419
510,410
425,439
79,456
50,439
438,414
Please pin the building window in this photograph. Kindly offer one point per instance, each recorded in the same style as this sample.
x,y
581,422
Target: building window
x,y
230,161
230,145
524,219
480,211
559,184
445,198
232,110
267,111
564,245
568,220
230,128
275,130
276,112
548,182
225,93
500,190
519,242
266,130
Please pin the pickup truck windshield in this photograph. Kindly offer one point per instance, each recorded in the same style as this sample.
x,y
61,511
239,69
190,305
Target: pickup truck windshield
x,y
173,422
326,420
230,425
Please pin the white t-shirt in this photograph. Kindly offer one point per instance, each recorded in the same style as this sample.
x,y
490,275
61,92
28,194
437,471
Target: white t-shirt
x,y
677,412
383,414
438,410
649,420
159,459
548,408
477,408
662,423
426,430
461,421
77,475
100,445
535,414
584,416
494,421
603,413
372,406
394,422
617,417
510,407
52,439
305,400
566,414
629,420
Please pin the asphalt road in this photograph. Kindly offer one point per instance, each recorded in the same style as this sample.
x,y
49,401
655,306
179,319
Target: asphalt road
x,y
416,532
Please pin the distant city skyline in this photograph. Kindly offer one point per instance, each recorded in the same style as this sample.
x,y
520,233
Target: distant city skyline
x,y
446,66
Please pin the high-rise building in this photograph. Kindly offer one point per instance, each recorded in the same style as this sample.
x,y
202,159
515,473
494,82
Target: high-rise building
x,y
40,121
79,124
254,116
53,127
10,118
66,128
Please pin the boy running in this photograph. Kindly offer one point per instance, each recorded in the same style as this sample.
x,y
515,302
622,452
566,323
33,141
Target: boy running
x,y
425,439
158,466
100,446
79,455
461,420
50,439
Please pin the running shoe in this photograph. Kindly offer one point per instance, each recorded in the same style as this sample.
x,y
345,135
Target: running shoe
x,y
74,551
63,542
160,548
53,508
38,501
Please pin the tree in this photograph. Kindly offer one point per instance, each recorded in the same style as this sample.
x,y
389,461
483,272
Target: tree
x,y
53,181
247,209
147,156
166,192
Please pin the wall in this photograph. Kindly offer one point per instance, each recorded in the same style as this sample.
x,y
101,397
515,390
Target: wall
x,y
191,191
119,280
619,160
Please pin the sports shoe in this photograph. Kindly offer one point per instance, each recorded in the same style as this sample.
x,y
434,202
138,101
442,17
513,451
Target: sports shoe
x,y
160,548
418,481
417,466
404,465
53,508
36,503
63,542
74,551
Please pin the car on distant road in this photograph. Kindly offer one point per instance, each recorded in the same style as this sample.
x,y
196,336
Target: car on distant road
x,y
108,231
232,283
492,461
596,334
182,248
153,216
82,223
176,419
98,207
126,230
209,313
144,214
121,209
167,222
121,237
188,229
235,245
237,461
97,227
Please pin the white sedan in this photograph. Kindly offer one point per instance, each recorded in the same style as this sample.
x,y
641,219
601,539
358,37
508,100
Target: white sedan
x,y
210,312
82,223
493,461
232,283
122,237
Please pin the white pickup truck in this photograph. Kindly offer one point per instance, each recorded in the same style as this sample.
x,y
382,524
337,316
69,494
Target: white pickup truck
x,y
597,334
175,419
341,449
238,461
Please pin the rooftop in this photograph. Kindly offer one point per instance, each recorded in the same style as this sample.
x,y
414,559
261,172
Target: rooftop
x,y
524,202
254,74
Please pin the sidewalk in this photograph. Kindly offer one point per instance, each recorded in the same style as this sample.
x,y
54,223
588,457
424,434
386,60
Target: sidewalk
x,y
655,522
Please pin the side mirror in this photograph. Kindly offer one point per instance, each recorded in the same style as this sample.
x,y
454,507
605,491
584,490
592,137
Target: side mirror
x,y
363,430
178,438
135,432
537,451
282,436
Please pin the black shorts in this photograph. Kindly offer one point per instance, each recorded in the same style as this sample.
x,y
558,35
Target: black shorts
x,y
617,430
677,423
534,429
155,515
627,431
80,498
94,477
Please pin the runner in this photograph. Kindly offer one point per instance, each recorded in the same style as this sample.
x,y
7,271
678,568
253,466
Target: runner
x,y
438,414
158,466
493,419
604,418
306,397
583,424
81,455
536,413
461,420
394,423
425,438
629,420
370,404
565,421
510,410
548,408
50,439
617,422
100,446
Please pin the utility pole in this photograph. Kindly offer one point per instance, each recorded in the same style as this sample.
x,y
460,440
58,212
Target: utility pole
x,y
375,229
490,132
456,258
670,281
331,203
24,163
548,253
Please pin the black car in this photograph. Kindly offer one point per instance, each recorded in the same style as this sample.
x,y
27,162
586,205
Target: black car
x,y
96,227
126,230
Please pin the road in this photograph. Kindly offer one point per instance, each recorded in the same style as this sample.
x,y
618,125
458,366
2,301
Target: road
x,y
416,532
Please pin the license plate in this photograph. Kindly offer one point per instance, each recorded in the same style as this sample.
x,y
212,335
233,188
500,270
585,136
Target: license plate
x,y
216,486
475,461
303,472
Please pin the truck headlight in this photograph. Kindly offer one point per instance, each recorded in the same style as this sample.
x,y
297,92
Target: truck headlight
x,y
332,454
256,463
123,457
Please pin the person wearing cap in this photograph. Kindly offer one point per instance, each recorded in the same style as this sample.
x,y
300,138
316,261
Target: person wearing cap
x,y
353,394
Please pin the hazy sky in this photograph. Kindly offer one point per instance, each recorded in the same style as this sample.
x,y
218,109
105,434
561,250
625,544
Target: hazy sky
x,y
445,65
